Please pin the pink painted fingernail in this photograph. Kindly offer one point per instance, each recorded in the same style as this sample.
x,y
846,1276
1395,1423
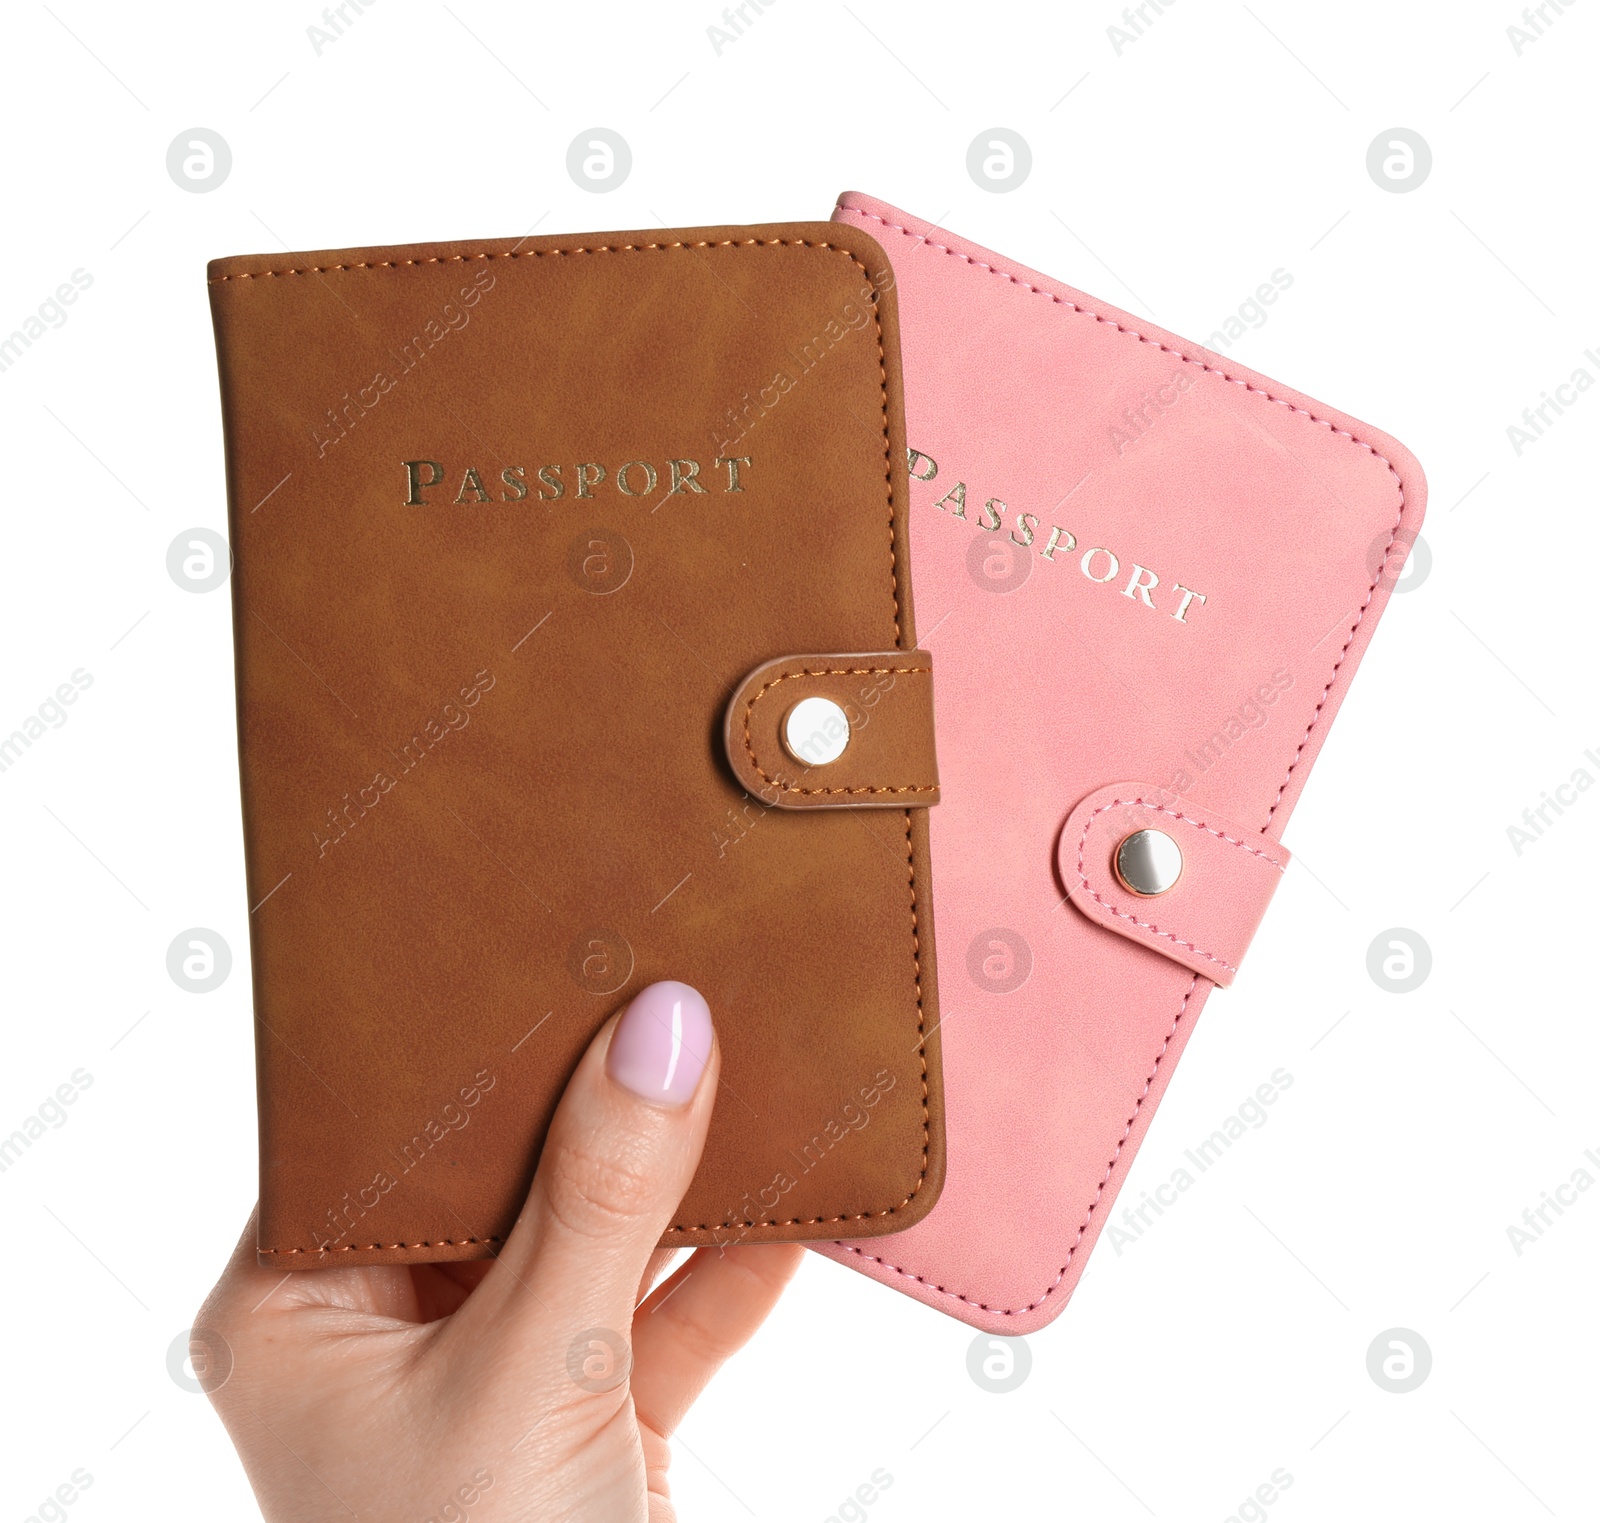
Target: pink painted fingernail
x,y
662,1043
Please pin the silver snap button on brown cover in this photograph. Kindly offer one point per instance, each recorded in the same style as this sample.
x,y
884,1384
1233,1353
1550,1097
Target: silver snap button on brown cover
x,y
816,731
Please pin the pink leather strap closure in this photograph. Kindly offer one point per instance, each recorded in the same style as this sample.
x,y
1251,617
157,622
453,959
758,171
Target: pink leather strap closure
x,y
1207,918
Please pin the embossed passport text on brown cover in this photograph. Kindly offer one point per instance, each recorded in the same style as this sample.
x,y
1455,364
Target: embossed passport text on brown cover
x,y
538,546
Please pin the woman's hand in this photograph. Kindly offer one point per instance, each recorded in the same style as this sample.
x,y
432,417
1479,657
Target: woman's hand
x,y
532,1387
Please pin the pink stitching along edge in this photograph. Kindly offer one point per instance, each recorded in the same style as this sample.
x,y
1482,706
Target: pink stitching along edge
x,y
1083,877
1105,1179
1232,380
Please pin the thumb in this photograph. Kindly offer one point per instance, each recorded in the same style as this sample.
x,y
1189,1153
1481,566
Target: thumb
x,y
621,1150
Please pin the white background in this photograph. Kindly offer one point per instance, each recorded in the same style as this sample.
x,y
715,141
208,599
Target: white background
x,y
1228,1341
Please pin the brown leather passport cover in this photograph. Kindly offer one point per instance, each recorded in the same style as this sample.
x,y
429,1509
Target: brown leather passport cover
x,y
513,525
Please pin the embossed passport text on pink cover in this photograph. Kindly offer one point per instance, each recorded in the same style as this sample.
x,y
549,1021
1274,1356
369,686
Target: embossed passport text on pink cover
x,y
1147,575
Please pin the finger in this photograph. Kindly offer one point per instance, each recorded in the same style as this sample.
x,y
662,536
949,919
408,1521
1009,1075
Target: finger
x,y
246,1286
660,1262
700,1317
241,1266
249,1293
240,1285
621,1150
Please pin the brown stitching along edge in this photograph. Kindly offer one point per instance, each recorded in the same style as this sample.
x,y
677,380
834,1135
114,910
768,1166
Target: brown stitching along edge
x,y
857,211
443,1242
916,943
597,248
922,1057
830,671
894,603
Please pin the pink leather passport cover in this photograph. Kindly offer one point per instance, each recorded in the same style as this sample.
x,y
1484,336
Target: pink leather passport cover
x,y
1147,575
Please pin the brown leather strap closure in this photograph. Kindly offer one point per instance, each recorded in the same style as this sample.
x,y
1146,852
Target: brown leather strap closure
x,y
869,741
